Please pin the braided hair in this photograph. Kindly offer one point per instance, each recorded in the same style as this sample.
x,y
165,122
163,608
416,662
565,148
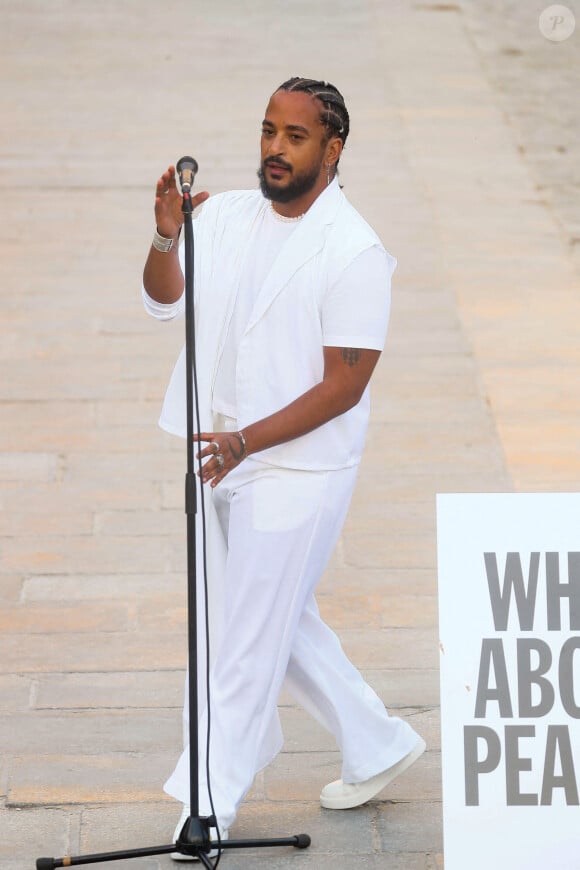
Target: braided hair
x,y
334,116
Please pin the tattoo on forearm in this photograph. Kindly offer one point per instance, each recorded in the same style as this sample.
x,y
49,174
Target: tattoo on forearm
x,y
237,449
350,355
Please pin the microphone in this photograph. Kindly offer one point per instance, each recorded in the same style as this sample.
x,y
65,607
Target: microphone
x,y
186,169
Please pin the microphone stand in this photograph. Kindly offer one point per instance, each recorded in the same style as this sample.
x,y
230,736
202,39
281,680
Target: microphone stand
x,y
194,838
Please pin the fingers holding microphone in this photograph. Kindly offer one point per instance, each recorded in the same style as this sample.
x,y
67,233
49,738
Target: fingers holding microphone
x,y
168,204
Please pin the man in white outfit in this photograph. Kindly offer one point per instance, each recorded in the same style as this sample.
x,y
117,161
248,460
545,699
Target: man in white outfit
x,y
292,293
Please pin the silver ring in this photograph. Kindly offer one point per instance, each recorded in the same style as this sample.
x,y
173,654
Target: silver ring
x,y
219,459
216,445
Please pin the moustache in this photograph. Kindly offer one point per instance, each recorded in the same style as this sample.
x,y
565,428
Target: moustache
x,y
273,161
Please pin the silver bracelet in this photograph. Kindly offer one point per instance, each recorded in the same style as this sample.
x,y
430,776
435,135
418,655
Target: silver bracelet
x,y
160,243
243,441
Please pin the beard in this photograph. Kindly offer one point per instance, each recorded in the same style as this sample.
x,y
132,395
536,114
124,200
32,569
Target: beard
x,y
296,187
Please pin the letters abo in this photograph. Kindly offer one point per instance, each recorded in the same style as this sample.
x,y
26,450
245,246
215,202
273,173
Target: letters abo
x,y
542,674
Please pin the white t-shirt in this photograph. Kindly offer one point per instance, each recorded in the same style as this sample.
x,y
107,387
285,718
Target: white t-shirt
x,y
349,317
270,234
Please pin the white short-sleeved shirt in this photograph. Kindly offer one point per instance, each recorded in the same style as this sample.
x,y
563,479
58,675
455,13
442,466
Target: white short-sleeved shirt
x,y
329,286
355,310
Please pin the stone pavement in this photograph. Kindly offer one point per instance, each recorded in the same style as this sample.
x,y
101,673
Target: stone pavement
x,y
464,156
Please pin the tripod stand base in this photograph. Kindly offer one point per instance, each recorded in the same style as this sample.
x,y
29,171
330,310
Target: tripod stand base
x,y
300,841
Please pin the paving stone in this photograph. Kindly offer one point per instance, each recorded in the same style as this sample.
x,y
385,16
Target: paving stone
x,y
145,522
115,778
104,691
54,620
388,581
45,520
87,587
421,783
122,439
74,426
329,831
84,496
353,610
297,777
411,518
77,554
89,652
454,374
56,379
407,647
3,778
305,860
375,551
405,687
11,588
33,466
302,732
163,612
126,826
28,834
172,494
419,824
92,732
120,414
393,486
426,721
63,424
442,412
16,692
119,467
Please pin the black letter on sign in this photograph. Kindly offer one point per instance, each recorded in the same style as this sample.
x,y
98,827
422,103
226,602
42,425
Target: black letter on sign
x,y
558,735
473,766
528,677
513,579
492,648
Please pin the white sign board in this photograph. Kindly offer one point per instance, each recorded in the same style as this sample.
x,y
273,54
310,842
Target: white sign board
x,y
509,604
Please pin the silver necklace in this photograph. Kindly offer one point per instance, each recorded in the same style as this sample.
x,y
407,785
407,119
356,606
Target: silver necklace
x,y
283,218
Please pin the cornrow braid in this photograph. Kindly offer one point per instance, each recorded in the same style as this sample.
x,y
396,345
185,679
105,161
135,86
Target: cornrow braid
x,y
334,115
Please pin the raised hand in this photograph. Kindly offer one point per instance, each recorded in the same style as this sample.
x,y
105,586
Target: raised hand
x,y
168,215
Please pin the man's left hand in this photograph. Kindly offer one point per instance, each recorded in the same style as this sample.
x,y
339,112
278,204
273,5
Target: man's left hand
x,y
225,450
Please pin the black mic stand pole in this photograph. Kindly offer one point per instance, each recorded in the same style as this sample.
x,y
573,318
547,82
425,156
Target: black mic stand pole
x,y
194,839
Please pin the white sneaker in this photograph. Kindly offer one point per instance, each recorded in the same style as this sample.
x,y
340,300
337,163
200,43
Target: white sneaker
x,y
180,856
339,795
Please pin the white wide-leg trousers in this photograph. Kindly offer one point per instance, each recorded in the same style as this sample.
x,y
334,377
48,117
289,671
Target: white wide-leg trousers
x,y
281,527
